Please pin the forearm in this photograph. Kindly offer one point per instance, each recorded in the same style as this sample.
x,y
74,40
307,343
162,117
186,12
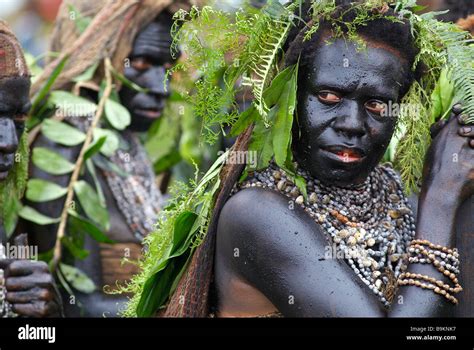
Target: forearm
x,y
435,223
436,216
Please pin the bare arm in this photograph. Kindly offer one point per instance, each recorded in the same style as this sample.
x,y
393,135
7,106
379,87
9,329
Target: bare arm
x,y
447,181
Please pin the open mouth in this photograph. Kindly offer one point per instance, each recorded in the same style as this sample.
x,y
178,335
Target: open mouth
x,y
345,154
152,113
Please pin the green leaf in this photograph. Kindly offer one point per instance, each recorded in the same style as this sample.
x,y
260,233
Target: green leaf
x,y
72,105
88,74
111,143
104,164
182,227
95,147
246,118
98,187
91,204
273,93
34,68
62,133
158,287
77,279
33,215
81,22
46,256
39,190
84,225
73,248
51,162
40,97
284,120
163,137
442,97
155,291
117,115
10,219
167,162
262,140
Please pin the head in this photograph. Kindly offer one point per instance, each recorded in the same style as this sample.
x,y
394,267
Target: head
x,y
14,98
149,60
343,124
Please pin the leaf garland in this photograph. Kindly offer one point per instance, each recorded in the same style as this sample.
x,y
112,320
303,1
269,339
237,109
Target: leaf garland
x,y
180,229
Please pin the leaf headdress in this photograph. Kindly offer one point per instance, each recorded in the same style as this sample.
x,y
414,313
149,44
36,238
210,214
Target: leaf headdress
x,y
249,48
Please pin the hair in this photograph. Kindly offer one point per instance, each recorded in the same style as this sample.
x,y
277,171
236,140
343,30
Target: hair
x,y
381,30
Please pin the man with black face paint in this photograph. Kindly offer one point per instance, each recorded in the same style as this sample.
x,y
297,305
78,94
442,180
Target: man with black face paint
x,y
342,131
133,201
26,286
150,58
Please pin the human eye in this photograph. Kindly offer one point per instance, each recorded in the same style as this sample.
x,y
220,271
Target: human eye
x,y
329,97
376,107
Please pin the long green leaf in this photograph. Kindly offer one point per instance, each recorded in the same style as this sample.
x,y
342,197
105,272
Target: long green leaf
x,y
74,249
284,120
117,115
72,105
33,215
182,229
51,162
77,279
95,147
86,226
155,291
62,133
39,99
91,204
39,190
111,143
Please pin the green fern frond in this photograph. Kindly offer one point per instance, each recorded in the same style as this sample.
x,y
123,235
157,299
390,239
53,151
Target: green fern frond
x,y
270,34
412,147
458,56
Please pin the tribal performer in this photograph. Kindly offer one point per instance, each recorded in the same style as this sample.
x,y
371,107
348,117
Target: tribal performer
x,y
321,227
135,36
27,287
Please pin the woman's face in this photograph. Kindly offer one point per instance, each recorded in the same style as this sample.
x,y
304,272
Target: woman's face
x,y
344,124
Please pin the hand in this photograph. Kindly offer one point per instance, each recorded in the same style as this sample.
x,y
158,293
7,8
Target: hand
x,y
449,165
31,290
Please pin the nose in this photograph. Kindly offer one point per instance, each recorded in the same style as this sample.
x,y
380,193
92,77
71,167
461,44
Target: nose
x,y
350,121
8,136
154,81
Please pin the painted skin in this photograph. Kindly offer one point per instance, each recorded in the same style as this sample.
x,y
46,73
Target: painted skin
x,y
14,105
281,265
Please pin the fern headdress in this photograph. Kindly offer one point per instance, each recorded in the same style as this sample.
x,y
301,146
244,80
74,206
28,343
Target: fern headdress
x,y
249,46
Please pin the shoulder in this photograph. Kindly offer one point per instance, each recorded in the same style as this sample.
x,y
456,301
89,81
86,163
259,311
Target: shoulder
x,y
257,220
248,208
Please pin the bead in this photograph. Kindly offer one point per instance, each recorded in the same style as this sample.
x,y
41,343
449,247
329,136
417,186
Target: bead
x,y
313,198
281,185
370,242
351,241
